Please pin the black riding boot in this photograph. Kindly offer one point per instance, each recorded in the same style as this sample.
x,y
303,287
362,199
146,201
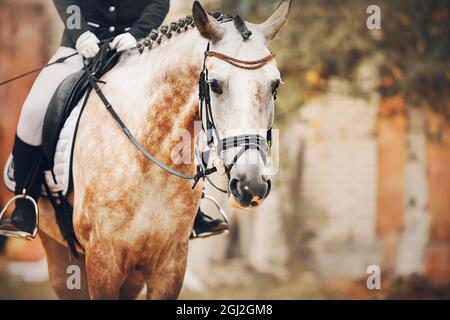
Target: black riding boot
x,y
25,158
205,226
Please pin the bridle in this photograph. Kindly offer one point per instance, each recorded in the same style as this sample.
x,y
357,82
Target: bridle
x,y
247,65
215,144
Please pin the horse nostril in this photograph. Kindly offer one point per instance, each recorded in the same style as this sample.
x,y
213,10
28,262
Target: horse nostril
x,y
269,187
234,186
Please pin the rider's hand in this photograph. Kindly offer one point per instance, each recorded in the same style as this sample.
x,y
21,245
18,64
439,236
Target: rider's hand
x,y
87,45
123,42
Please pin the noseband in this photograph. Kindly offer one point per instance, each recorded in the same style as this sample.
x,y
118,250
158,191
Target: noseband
x,y
245,142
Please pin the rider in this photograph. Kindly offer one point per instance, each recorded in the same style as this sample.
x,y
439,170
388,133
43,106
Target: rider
x,y
126,21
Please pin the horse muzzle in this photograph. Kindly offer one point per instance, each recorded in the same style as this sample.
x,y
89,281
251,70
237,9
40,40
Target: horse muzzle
x,y
248,191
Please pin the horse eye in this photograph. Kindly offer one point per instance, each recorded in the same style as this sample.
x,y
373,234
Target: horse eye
x,y
215,86
275,86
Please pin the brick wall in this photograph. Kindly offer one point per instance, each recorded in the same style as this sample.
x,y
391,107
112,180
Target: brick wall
x,y
371,198
391,172
437,263
415,229
22,48
339,179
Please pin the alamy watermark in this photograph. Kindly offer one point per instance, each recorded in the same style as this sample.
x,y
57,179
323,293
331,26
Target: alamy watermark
x,y
374,20
374,279
73,21
73,281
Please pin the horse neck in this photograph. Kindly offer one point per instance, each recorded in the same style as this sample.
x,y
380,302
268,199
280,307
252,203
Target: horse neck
x,y
168,103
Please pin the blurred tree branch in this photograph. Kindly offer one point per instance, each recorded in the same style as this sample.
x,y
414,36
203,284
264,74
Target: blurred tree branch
x,y
328,39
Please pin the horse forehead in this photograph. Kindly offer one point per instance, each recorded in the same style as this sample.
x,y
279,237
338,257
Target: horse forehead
x,y
234,45
233,35
250,50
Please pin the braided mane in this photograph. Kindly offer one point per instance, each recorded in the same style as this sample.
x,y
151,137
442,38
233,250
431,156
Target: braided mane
x,y
182,25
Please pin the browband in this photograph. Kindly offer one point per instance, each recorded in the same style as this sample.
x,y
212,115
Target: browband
x,y
242,64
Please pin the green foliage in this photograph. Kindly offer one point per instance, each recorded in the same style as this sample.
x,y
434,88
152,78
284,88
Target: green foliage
x,y
329,39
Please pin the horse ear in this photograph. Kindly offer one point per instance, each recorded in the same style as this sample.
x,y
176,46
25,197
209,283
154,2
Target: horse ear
x,y
277,21
209,27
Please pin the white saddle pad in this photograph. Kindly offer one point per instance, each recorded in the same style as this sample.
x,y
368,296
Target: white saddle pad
x,y
62,161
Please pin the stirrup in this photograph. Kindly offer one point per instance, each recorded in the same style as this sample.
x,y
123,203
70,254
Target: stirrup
x,y
207,234
217,204
21,234
222,213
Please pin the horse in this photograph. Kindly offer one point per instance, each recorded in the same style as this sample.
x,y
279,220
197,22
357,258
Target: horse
x,y
132,219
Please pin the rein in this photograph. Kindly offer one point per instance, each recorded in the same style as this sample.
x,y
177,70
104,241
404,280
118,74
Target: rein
x,y
246,142
93,81
201,173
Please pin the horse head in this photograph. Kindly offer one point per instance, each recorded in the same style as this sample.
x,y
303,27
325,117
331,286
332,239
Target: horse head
x,y
243,79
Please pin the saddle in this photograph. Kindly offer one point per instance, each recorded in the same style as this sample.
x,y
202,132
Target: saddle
x,y
69,93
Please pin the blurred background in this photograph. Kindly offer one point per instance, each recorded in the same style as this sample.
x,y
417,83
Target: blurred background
x,y
364,146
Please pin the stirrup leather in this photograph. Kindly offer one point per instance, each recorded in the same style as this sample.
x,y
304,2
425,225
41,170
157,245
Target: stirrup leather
x,y
21,234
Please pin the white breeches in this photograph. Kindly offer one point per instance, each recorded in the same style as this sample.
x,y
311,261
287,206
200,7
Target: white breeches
x,y
33,112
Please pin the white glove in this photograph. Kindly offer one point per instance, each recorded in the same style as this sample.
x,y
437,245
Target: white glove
x,y
123,42
87,45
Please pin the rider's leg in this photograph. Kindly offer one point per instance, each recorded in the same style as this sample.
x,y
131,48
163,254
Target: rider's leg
x,y
24,217
2,244
205,226
33,111
27,146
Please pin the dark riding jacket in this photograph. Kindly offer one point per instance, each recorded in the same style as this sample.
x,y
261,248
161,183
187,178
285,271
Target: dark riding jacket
x,y
109,18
